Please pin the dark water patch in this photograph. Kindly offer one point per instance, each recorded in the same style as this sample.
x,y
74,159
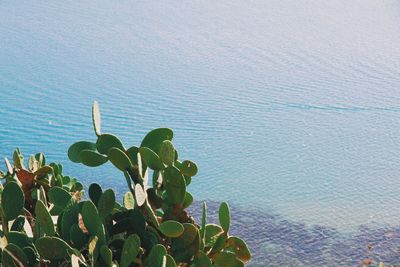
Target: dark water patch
x,y
275,241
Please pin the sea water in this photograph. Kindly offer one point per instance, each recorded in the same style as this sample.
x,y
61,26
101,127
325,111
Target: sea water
x,y
291,109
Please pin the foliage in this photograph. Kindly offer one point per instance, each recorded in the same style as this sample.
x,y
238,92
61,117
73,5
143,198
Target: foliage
x,y
46,222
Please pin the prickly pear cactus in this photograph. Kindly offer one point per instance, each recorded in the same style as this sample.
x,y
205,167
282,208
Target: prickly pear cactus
x,y
34,198
52,225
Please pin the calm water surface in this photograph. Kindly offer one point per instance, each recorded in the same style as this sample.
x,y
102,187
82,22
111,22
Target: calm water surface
x,y
290,108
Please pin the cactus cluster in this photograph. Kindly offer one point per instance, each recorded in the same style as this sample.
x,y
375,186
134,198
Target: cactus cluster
x,y
46,221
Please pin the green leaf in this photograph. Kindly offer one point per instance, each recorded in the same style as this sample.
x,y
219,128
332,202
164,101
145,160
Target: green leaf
x,y
227,259
96,118
151,159
74,150
167,152
129,201
175,184
224,216
119,159
92,158
155,137
91,217
12,201
130,250
53,248
156,256
106,203
239,247
43,219
188,168
107,141
171,228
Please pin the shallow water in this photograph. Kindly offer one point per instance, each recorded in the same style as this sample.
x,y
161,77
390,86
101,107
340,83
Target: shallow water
x,y
290,108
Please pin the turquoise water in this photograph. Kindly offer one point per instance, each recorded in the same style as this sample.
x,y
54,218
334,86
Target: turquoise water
x,y
290,108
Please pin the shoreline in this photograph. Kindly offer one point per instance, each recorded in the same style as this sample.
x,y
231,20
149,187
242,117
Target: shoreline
x,y
276,241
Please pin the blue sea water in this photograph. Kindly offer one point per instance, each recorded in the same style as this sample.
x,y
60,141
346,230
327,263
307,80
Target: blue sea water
x,y
291,109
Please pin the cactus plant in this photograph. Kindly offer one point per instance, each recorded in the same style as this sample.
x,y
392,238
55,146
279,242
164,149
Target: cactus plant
x,y
53,226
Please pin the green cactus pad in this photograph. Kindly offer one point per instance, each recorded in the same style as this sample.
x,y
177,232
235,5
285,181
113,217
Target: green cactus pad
x,y
167,152
175,184
92,158
151,159
239,247
119,159
129,201
130,221
19,239
189,168
186,245
224,216
107,141
69,218
11,253
219,243
106,255
12,200
171,228
43,171
212,231
74,150
53,248
227,259
77,237
201,260
156,256
10,169
155,137
203,221
130,250
132,154
188,200
18,223
140,195
95,192
41,159
170,262
32,255
18,159
43,219
106,203
91,217
96,118
59,197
